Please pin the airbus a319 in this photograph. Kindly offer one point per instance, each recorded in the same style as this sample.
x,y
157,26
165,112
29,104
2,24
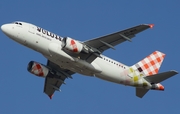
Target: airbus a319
x,y
67,56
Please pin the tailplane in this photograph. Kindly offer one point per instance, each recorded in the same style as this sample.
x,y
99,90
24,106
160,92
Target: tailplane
x,y
155,81
157,78
148,68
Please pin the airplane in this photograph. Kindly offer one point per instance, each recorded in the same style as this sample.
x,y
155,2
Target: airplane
x,y
67,56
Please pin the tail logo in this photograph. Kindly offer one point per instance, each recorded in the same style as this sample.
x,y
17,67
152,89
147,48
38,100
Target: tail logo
x,y
151,64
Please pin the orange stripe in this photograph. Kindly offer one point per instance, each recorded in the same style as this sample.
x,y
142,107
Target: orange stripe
x,y
146,66
152,63
158,59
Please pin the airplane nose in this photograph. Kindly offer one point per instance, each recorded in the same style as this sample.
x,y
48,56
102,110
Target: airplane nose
x,y
7,29
4,28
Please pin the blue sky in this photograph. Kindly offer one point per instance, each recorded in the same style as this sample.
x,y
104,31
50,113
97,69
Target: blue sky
x,y
22,92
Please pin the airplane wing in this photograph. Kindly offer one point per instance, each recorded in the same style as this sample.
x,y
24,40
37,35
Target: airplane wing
x,y
98,45
109,41
53,83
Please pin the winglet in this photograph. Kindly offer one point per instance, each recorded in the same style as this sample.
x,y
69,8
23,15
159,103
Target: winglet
x,y
151,25
50,96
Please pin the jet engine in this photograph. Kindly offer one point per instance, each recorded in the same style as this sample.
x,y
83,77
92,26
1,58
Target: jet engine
x,y
38,69
74,45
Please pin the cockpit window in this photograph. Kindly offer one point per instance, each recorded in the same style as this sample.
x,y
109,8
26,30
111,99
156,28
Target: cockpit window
x,y
18,23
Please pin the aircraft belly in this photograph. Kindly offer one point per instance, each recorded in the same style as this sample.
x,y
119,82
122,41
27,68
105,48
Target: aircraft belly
x,y
110,77
75,65
111,72
79,68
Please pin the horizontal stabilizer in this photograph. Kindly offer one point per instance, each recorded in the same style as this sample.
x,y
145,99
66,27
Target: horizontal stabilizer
x,y
157,78
140,92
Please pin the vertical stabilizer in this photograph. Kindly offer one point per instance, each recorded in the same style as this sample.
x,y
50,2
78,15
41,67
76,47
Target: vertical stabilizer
x,y
151,64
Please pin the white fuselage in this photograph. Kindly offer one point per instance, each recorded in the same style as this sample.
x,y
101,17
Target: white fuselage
x,y
49,44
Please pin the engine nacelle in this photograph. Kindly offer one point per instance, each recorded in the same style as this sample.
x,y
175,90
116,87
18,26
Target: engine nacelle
x,y
37,69
73,45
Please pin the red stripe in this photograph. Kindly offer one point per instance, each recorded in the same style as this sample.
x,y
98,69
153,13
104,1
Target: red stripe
x,y
74,46
39,68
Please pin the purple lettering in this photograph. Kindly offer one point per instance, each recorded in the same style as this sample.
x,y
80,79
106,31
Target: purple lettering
x,y
44,31
39,29
50,34
57,37
60,39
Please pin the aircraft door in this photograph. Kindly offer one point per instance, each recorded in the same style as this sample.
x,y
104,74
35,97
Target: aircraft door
x,y
33,40
32,29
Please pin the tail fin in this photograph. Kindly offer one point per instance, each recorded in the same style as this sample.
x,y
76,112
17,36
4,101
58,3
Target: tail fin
x,y
151,64
148,66
156,79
